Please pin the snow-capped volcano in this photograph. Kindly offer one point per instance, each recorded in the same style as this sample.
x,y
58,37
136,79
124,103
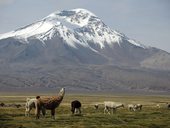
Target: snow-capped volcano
x,y
74,26
88,27
77,50
77,35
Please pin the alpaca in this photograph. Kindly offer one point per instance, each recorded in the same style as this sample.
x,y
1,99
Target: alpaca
x,y
75,106
30,104
131,107
108,105
50,103
138,106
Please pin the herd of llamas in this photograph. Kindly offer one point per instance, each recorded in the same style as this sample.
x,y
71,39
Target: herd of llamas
x,y
41,104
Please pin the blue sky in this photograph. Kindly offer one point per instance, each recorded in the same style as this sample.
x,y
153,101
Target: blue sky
x,y
147,21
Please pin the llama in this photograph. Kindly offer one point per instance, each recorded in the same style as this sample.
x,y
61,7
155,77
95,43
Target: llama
x,y
75,106
108,105
131,107
30,104
50,103
138,106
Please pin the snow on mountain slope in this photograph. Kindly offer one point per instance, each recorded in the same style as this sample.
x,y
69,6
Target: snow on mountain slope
x,y
87,25
77,26
30,30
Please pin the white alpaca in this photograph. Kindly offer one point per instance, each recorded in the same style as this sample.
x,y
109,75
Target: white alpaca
x,y
29,105
109,105
131,107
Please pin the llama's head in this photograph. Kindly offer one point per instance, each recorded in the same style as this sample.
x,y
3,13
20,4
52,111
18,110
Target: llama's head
x,y
62,92
37,97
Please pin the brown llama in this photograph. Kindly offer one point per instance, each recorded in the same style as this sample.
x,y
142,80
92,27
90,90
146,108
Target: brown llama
x,y
75,106
50,103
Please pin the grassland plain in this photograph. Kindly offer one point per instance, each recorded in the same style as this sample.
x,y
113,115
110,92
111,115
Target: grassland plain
x,y
149,117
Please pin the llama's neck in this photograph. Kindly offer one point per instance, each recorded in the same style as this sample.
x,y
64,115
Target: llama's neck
x,y
61,93
59,99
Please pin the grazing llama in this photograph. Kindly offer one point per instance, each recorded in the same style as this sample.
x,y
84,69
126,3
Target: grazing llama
x,y
109,105
131,107
138,106
76,107
50,103
30,104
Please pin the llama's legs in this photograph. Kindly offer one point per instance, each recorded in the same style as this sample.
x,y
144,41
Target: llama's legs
x,y
140,108
37,110
134,109
105,109
75,110
53,113
37,113
114,110
108,110
72,110
27,111
43,111
79,110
